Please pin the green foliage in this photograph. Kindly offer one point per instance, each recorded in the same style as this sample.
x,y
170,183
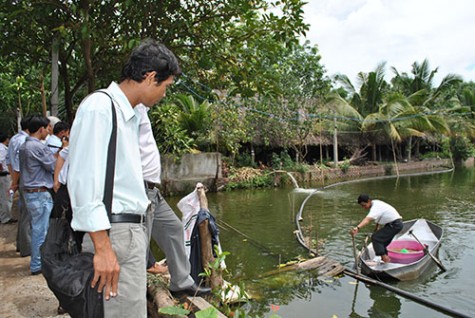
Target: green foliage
x,y
282,161
345,165
174,310
169,134
93,38
388,169
262,181
229,128
194,118
244,159
436,154
461,148
210,312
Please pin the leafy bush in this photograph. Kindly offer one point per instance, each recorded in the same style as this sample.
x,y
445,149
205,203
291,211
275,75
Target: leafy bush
x,y
435,155
245,160
460,147
388,169
248,178
345,165
282,161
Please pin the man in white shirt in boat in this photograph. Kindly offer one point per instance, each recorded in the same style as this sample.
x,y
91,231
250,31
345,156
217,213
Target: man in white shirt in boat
x,y
388,220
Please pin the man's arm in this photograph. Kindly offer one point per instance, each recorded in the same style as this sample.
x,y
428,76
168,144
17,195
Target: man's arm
x,y
89,140
106,267
364,222
15,177
57,170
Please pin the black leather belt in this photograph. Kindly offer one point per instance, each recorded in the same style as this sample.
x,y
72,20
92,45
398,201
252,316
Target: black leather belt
x,y
127,218
150,185
32,190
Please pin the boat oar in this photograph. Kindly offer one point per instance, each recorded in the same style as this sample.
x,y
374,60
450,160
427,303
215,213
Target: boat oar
x,y
354,254
426,250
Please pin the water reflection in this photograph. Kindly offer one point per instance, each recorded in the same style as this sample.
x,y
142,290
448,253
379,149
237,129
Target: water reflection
x,y
386,304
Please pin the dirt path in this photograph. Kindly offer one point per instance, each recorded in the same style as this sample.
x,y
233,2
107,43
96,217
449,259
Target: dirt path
x,y
21,294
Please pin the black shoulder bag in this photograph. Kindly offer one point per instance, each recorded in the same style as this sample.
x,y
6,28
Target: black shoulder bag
x,y
68,272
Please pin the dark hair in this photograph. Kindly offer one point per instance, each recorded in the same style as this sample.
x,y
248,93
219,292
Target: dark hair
x,y
150,56
60,126
24,122
363,198
36,122
3,136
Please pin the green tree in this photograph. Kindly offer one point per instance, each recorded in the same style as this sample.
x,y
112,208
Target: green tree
x,y
219,42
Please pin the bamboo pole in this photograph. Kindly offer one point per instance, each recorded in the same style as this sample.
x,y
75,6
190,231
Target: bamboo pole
x,y
406,294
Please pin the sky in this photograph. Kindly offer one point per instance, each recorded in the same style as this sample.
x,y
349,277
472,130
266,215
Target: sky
x,y
356,35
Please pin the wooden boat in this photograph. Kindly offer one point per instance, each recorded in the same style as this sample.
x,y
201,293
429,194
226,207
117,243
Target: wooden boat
x,y
406,263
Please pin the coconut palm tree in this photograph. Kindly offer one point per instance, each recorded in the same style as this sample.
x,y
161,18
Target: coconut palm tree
x,y
419,90
399,119
369,97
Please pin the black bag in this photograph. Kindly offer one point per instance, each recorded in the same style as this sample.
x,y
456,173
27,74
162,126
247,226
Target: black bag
x,y
67,271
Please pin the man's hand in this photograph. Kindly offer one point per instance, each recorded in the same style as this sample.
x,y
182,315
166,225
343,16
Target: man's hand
x,y
56,185
106,267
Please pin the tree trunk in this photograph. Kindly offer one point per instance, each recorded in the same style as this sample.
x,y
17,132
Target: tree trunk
x,y
43,96
87,45
394,157
335,144
54,77
215,281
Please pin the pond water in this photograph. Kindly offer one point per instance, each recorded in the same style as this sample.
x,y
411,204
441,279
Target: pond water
x,y
257,228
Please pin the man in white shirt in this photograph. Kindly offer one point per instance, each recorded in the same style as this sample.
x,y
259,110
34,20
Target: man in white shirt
x,y
388,220
55,141
164,225
5,197
150,69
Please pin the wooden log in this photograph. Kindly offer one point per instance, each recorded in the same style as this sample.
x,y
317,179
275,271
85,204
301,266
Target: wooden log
x,y
202,196
215,281
198,303
162,298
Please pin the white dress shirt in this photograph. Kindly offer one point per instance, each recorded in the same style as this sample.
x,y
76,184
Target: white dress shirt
x,y
13,150
54,143
148,147
63,174
3,156
89,140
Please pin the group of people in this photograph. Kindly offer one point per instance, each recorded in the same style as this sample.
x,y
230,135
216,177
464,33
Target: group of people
x,y
29,159
70,168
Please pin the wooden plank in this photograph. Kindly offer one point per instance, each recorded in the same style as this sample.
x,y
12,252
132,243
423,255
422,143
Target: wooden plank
x,y
325,266
200,303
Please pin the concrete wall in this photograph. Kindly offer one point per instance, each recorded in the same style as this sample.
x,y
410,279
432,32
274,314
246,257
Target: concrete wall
x,y
332,175
182,176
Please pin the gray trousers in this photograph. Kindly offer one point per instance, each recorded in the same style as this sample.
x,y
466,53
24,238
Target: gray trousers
x,y
23,239
5,199
129,241
167,230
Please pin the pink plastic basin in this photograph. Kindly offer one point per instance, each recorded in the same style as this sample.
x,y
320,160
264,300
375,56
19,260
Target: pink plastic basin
x,y
405,251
